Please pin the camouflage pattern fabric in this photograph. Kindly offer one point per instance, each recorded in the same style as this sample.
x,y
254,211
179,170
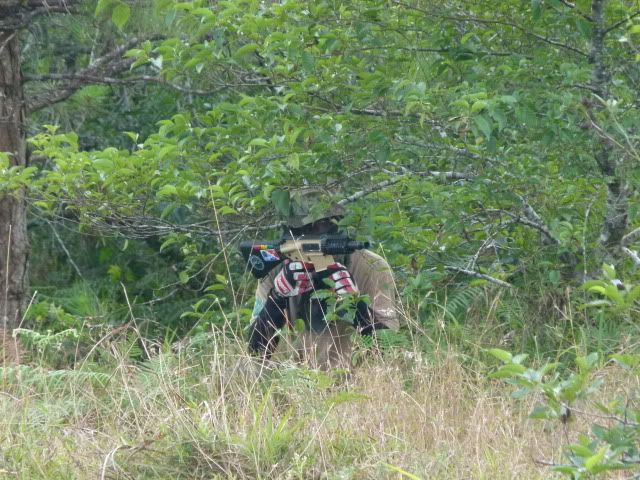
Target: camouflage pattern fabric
x,y
310,204
332,347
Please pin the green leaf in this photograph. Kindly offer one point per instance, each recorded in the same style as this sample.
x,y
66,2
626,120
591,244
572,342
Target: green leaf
x,y
601,289
227,210
536,9
478,106
612,293
246,49
609,271
508,371
627,360
121,14
103,5
401,472
484,125
345,397
591,462
593,283
168,242
184,277
540,412
633,295
167,191
281,201
501,354
584,27
581,450
260,142
569,470
299,326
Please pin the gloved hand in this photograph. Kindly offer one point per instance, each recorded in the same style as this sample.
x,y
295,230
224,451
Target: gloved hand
x,y
364,320
263,338
293,279
344,283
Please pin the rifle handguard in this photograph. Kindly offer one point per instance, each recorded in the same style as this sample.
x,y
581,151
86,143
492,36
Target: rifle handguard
x,y
263,256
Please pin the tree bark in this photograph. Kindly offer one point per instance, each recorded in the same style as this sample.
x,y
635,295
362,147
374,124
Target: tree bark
x,y
616,216
14,243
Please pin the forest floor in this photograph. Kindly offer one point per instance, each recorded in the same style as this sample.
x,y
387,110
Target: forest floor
x,y
207,411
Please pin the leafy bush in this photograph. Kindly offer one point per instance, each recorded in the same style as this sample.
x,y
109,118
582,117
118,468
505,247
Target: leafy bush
x,y
564,391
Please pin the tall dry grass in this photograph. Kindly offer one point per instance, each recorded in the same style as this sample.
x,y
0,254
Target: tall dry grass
x,y
208,411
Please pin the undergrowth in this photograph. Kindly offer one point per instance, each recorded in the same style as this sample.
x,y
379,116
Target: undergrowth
x,y
110,403
212,412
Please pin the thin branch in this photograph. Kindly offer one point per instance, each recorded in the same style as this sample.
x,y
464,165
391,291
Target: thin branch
x,y
530,222
66,250
440,50
572,6
587,87
630,237
106,66
487,21
621,22
615,418
633,255
363,193
473,273
16,15
544,463
441,146
536,220
7,40
92,79
386,183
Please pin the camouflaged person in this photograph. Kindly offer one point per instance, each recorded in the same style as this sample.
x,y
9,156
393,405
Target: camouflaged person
x,y
286,294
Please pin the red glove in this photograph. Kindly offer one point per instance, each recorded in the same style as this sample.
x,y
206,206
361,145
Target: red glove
x,y
343,282
293,279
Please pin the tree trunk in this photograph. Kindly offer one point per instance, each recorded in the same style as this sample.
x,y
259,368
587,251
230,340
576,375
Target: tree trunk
x,y
14,243
616,216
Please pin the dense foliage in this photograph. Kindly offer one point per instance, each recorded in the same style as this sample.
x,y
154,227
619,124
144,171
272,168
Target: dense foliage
x,y
489,149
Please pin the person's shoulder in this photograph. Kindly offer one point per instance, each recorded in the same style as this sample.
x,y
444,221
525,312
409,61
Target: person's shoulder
x,y
370,259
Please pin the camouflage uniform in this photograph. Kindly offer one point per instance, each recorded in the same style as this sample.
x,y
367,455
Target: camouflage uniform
x,y
330,345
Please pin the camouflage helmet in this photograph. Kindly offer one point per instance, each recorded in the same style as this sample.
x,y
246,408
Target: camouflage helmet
x,y
306,205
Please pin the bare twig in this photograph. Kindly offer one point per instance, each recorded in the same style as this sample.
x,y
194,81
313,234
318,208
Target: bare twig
x,y
621,22
65,250
488,241
106,66
536,221
7,40
473,273
5,314
633,255
133,320
488,21
631,237
615,418
87,78
224,251
386,183
16,14
530,222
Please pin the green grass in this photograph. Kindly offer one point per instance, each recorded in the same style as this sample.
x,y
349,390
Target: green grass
x,y
214,413
201,408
